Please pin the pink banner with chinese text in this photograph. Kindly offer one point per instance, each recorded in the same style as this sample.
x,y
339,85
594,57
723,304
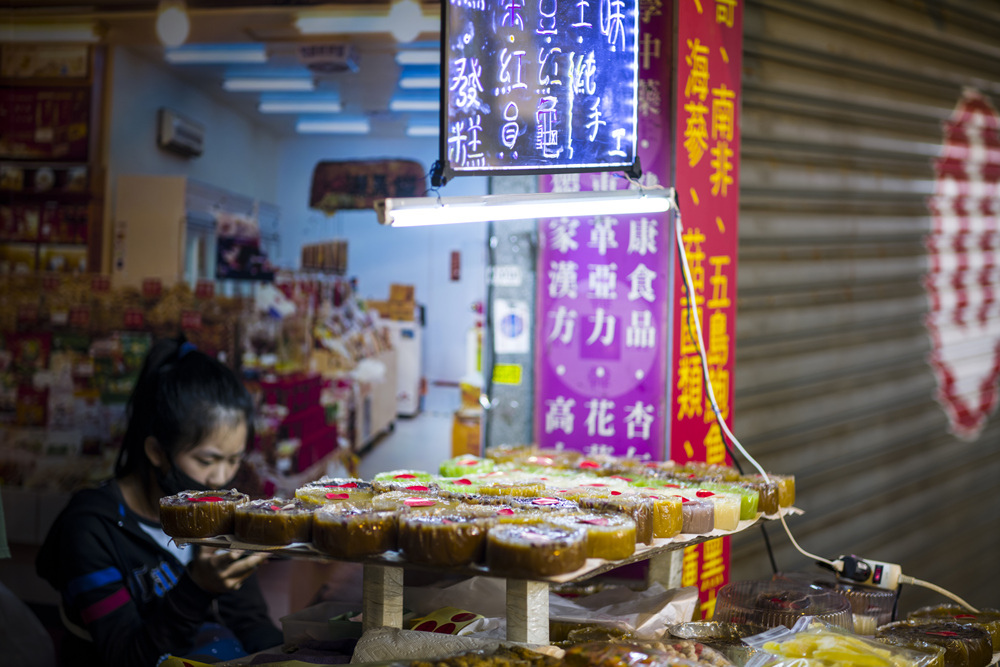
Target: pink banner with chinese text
x,y
603,291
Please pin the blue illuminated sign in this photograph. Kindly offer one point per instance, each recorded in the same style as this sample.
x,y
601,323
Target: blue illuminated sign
x,y
539,86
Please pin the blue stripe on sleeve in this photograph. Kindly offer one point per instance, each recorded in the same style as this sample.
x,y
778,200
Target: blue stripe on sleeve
x,y
89,582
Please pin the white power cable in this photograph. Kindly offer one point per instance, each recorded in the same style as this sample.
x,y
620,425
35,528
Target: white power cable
x,y
699,343
904,579
836,566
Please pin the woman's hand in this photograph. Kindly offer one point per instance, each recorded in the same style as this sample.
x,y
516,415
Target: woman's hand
x,y
222,571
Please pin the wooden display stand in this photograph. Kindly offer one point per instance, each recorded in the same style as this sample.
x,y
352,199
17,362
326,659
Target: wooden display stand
x,y
527,609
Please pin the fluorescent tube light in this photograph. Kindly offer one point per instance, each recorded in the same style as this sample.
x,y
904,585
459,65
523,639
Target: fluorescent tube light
x,y
414,102
333,126
257,84
418,211
346,21
419,57
422,130
420,77
217,54
304,104
48,32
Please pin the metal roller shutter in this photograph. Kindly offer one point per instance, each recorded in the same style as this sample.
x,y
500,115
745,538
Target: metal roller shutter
x,y
843,113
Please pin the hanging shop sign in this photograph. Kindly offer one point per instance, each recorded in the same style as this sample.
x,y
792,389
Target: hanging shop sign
x,y
539,87
708,85
964,279
356,184
604,290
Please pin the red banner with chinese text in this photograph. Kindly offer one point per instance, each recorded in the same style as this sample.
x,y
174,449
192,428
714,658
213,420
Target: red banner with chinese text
x,y
708,95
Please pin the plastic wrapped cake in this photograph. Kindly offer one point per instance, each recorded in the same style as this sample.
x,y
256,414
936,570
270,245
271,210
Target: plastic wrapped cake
x,y
198,514
273,522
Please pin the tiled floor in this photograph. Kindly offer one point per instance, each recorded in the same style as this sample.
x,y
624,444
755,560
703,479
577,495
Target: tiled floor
x,y
416,443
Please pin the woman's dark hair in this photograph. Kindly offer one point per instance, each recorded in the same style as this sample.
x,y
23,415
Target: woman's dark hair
x,y
181,396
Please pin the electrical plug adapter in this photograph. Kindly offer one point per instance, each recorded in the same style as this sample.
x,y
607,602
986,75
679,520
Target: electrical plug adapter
x,y
867,572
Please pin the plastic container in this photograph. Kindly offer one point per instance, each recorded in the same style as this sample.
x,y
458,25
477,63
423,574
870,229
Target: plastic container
x,y
871,607
774,603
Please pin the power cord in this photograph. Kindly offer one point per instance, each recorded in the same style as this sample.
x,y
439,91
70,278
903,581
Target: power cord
x,y
904,579
882,575
703,356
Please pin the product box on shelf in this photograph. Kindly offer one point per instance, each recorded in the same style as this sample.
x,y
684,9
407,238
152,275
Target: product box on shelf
x,y
400,292
304,422
296,392
315,446
402,311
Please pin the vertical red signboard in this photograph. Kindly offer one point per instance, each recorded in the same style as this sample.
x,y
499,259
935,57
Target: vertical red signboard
x,y
707,137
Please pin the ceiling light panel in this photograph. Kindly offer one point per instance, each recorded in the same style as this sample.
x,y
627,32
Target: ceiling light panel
x,y
357,125
419,57
415,101
325,103
270,83
352,21
422,130
217,54
420,77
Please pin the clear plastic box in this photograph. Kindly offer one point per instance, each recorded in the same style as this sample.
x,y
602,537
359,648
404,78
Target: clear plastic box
x,y
871,607
774,603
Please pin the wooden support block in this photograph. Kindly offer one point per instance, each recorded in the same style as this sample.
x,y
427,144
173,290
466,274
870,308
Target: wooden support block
x,y
382,594
527,611
665,568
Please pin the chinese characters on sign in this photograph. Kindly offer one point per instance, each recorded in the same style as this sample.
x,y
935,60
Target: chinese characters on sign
x,y
708,86
537,85
604,292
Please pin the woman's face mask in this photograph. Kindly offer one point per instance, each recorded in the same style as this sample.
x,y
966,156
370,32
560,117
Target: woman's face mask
x,y
210,465
175,480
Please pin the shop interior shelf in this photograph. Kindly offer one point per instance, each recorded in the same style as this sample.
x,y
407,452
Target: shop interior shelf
x,y
527,599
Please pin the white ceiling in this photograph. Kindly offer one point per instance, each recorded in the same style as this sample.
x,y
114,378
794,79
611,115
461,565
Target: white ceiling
x,y
366,91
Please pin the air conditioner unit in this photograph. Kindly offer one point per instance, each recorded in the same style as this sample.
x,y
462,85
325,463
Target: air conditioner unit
x,y
180,134
328,57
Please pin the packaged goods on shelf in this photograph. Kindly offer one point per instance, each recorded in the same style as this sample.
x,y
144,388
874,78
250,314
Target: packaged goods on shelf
x,y
70,352
825,645
525,523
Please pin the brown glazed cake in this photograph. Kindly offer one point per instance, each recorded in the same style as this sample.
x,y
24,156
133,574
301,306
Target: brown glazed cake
x,y
197,514
335,490
988,619
447,540
507,490
273,522
535,550
964,645
638,507
546,504
609,536
407,501
769,499
352,533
